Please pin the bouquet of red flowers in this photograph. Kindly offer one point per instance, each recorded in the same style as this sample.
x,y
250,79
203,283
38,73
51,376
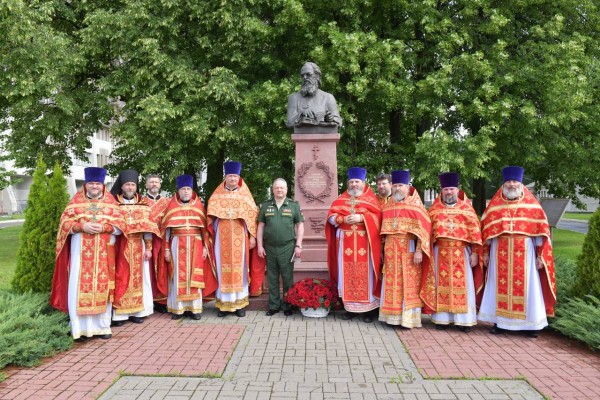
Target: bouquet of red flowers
x,y
314,293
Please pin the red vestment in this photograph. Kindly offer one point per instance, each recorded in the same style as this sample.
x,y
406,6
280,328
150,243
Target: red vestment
x,y
361,240
188,222
511,222
404,221
158,210
235,209
97,255
453,228
130,255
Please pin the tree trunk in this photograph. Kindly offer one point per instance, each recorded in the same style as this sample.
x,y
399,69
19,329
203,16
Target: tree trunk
x,y
214,174
479,198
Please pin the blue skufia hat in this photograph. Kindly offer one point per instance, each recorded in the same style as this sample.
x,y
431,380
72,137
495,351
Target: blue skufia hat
x,y
184,181
94,174
357,173
513,173
401,176
449,179
232,168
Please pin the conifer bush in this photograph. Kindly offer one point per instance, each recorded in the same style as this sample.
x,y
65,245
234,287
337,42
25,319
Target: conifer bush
x,y
588,262
578,318
36,255
30,329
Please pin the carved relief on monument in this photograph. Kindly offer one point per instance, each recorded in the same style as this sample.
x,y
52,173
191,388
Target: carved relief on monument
x,y
317,224
315,181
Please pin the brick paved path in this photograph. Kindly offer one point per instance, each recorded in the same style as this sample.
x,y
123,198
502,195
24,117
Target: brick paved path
x,y
558,367
263,357
158,346
303,358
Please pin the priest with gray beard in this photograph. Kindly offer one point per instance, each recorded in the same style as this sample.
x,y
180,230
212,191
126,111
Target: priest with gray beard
x,y
311,107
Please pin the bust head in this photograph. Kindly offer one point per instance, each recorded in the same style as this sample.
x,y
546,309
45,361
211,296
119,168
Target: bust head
x,y
311,79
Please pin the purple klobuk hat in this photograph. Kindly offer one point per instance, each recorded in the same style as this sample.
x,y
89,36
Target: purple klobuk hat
x,y
513,173
232,168
94,174
449,180
401,176
184,181
357,173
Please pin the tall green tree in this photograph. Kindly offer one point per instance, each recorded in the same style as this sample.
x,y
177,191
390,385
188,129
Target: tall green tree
x,y
36,254
430,85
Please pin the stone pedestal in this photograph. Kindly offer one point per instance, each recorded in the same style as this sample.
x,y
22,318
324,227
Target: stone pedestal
x,y
316,187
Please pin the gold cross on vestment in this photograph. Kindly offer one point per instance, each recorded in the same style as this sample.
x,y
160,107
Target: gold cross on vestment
x,y
130,219
451,225
93,209
511,225
352,203
230,213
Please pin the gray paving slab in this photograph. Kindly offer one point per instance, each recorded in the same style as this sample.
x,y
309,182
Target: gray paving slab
x,y
303,358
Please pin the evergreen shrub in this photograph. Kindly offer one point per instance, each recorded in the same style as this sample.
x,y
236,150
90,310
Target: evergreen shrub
x,y
30,329
47,200
588,262
578,318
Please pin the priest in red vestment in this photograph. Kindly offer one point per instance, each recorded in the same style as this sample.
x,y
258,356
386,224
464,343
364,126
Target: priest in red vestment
x,y
158,204
133,290
520,289
354,247
456,275
84,276
232,216
186,270
406,230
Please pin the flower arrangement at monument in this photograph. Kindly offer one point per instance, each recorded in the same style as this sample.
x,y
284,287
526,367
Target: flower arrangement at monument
x,y
315,297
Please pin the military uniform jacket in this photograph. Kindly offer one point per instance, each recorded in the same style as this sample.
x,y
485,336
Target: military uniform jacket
x,y
279,222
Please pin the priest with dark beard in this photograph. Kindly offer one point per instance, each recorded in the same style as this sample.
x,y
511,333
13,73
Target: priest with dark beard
x,y
311,107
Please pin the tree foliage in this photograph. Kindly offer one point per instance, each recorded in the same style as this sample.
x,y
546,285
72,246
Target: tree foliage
x,y
432,86
588,262
35,256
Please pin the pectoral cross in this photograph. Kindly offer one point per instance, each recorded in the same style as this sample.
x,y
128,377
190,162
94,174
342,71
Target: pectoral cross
x,y
130,219
352,203
451,225
94,209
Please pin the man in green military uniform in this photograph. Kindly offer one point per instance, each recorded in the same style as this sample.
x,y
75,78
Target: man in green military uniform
x,y
279,239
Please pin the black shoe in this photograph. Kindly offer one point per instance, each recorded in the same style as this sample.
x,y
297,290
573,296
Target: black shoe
x,y
176,316
222,314
533,334
440,327
496,331
195,316
117,323
271,312
287,313
347,316
137,320
160,308
240,313
366,318
106,337
465,329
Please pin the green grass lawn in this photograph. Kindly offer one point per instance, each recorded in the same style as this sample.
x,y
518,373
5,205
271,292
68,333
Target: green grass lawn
x,y
567,244
579,216
9,243
12,216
